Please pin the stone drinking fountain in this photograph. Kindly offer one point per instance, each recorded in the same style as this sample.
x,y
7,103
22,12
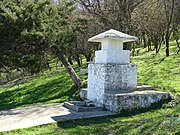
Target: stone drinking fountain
x,y
112,80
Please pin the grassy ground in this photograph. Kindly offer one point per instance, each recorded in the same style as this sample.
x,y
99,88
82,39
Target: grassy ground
x,y
164,121
158,70
56,86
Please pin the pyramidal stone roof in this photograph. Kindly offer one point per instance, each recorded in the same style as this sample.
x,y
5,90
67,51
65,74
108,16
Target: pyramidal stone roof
x,y
113,34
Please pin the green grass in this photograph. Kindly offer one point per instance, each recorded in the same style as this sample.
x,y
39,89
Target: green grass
x,y
52,87
165,121
158,70
56,86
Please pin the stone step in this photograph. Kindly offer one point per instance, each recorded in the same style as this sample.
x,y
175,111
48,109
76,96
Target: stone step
x,y
83,93
140,87
81,106
134,100
144,87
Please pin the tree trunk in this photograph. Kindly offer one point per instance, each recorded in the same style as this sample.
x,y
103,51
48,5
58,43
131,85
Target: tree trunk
x,y
169,17
134,49
76,80
176,36
167,45
156,44
144,40
70,60
149,45
177,42
88,58
159,46
77,56
78,60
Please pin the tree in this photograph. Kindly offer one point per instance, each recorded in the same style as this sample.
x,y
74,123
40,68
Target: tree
x,y
32,29
169,13
91,28
114,14
22,40
176,24
61,32
149,20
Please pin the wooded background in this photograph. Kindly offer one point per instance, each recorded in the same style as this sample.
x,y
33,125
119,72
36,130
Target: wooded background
x,y
33,33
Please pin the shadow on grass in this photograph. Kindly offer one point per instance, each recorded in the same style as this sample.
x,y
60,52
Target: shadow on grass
x,y
58,90
105,119
144,120
135,122
107,125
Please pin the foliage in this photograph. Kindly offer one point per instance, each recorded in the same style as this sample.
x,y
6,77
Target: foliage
x,y
114,14
23,44
149,20
31,29
153,21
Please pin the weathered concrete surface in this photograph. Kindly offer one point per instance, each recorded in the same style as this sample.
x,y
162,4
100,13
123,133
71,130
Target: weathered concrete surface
x,y
143,97
112,34
83,93
112,47
112,56
134,100
41,114
140,87
110,79
81,106
144,87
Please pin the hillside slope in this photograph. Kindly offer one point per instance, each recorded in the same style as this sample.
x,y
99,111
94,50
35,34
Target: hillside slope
x,y
158,70
56,86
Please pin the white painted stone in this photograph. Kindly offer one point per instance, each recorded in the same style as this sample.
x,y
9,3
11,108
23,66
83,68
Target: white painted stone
x,y
112,72
115,56
96,78
113,34
126,102
112,47
112,52
112,44
110,79
83,93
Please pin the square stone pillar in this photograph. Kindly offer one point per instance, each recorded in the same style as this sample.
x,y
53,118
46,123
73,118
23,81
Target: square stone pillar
x,y
110,79
112,72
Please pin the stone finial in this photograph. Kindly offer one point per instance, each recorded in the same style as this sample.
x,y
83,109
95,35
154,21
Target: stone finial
x,y
113,34
112,47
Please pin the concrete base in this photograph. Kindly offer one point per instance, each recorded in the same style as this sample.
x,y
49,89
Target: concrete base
x,y
83,93
110,79
81,106
135,100
140,87
143,97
